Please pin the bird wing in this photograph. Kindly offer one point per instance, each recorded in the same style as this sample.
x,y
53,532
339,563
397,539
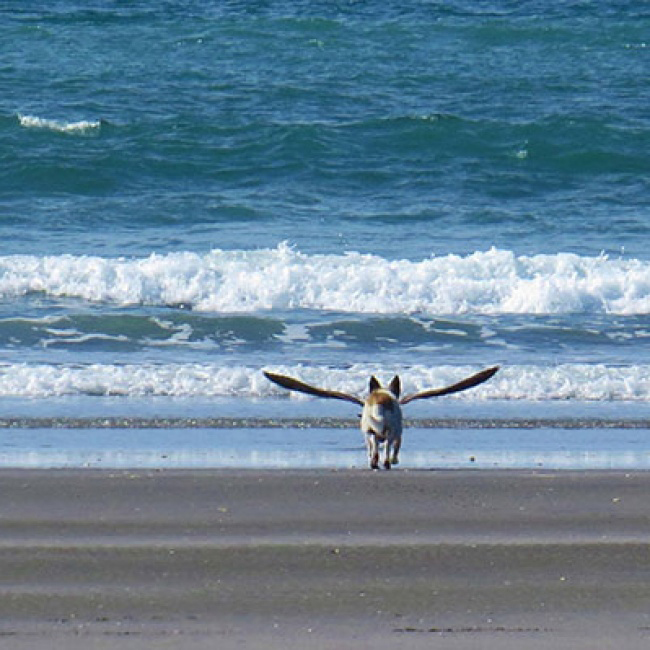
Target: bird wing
x,y
469,382
294,384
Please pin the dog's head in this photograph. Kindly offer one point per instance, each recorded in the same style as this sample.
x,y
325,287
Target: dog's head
x,y
394,387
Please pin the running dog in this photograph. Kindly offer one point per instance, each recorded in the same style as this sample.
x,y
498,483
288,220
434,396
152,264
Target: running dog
x,y
381,417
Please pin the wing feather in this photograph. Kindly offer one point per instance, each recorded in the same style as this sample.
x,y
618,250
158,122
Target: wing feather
x,y
294,384
469,382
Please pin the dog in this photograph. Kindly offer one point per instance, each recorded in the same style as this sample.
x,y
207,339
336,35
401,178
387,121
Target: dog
x,y
381,415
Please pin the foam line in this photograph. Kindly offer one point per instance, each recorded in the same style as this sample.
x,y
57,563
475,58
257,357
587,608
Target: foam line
x,y
581,382
484,282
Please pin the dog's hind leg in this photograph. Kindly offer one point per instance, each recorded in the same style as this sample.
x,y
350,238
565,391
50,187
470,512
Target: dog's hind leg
x,y
396,447
373,450
387,458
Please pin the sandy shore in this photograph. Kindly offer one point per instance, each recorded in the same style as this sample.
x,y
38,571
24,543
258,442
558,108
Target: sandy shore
x,y
324,559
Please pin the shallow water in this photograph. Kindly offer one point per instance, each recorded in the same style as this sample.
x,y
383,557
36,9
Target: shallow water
x,y
321,443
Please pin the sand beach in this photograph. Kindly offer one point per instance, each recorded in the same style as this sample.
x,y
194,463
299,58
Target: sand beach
x,y
324,559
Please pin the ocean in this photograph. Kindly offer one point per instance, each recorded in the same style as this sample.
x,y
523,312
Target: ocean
x,y
192,192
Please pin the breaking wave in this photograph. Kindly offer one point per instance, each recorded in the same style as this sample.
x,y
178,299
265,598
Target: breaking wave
x,y
583,382
487,282
80,127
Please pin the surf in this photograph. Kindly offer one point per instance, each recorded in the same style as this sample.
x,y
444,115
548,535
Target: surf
x,y
581,382
490,282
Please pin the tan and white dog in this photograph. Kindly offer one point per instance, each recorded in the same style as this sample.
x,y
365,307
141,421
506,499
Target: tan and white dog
x,y
381,417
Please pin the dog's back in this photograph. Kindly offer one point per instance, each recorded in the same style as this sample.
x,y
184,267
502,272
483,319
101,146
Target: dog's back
x,y
382,415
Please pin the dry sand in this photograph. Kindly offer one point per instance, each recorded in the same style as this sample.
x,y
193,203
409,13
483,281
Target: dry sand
x,y
324,559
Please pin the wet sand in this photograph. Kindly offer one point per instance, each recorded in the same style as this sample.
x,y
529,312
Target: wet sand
x,y
324,559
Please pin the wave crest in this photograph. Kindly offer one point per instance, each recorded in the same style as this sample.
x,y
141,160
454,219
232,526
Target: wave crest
x,y
579,382
489,282
81,127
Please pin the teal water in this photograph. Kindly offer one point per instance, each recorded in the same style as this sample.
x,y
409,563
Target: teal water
x,y
401,131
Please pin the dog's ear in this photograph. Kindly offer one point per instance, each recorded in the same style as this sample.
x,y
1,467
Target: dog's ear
x,y
374,384
395,386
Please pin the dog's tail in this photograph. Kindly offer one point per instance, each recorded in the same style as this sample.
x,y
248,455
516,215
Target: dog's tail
x,y
375,419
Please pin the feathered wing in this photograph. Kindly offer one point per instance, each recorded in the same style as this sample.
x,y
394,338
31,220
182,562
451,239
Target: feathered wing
x,y
294,384
469,382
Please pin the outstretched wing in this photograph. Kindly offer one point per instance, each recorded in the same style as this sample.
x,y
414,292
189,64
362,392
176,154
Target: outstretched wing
x,y
293,384
474,380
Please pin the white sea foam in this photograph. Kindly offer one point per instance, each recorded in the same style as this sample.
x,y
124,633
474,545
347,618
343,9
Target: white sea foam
x,y
33,122
579,382
488,282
